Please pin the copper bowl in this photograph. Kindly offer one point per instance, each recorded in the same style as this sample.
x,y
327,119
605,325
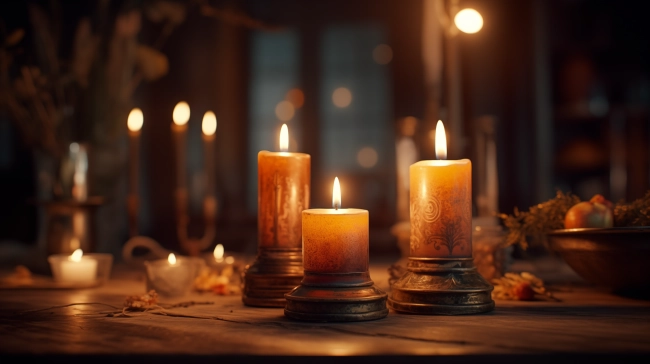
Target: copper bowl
x,y
618,258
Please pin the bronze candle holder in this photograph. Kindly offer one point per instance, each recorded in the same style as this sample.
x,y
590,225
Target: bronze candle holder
x,y
336,297
441,286
275,272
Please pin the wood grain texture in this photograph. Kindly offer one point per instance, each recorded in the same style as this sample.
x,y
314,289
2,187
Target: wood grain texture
x,y
587,321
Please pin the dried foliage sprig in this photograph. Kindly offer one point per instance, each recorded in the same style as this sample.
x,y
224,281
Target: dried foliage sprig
x,y
548,216
538,220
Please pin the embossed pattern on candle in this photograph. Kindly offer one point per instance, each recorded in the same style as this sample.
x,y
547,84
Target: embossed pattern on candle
x,y
283,192
441,209
335,241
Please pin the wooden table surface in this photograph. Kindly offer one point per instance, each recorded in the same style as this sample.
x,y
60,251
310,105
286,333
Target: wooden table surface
x,y
588,322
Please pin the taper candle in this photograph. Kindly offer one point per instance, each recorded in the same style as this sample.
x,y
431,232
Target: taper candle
x,y
441,204
209,127
181,116
134,124
283,192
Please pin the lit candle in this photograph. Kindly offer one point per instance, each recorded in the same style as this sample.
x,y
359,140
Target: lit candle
x,y
78,269
335,240
441,204
209,127
283,192
220,261
134,124
171,277
181,116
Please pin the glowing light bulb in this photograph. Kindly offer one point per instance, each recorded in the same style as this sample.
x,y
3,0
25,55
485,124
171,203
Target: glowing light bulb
x,y
468,21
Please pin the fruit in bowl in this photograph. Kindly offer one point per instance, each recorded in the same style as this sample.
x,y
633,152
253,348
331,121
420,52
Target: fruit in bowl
x,y
595,213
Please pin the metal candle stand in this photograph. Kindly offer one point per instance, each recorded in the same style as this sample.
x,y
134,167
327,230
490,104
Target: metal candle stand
x,y
275,272
335,298
441,286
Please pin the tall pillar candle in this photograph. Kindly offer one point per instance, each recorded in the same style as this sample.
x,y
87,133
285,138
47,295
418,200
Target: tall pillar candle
x,y
441,205
283,192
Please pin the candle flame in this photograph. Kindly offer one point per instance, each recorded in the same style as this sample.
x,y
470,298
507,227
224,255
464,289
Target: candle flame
x,y
284,138
181,113
135,120
76,255
441,141
209,125
218,252
336,194
171,259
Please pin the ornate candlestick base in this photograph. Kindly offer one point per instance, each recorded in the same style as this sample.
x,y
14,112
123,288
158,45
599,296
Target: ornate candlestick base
x,y
441,286
336,298
274,273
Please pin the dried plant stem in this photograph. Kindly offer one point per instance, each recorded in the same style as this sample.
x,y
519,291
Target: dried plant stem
x,y
68,305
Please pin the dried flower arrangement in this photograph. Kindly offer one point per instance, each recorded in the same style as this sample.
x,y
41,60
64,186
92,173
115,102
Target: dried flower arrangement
x,y
55,98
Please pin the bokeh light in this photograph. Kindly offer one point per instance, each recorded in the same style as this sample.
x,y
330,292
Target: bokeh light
x,y
284,110
367,157
342,97
468,21
382,54
296,97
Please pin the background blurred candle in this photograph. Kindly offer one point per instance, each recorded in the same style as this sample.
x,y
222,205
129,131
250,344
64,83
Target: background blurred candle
x,y
283,181
181,116
134,124
441,204
335,240
209,127
78,269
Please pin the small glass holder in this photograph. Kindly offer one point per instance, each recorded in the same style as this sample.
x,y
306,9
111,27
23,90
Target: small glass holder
x,y
104,265
171,280
491,258
80,273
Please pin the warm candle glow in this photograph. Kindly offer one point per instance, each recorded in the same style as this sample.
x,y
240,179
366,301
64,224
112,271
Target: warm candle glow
x,y
135,120
181,113
336,194
209,125
218,252
76,255
441,141
468,21
171,259
284,138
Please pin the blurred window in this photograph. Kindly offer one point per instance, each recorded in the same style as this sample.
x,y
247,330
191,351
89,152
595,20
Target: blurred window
x,y
274,77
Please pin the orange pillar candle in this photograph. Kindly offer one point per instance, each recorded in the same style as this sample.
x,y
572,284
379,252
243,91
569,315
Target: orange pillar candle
x,y
335,240
441,205
283,182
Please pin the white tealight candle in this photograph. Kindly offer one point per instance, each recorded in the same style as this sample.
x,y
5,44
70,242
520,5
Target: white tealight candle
x,y
171,276
78,269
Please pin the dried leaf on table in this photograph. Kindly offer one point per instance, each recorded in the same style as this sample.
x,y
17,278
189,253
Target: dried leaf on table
x,y
522,286
152,63
147,301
